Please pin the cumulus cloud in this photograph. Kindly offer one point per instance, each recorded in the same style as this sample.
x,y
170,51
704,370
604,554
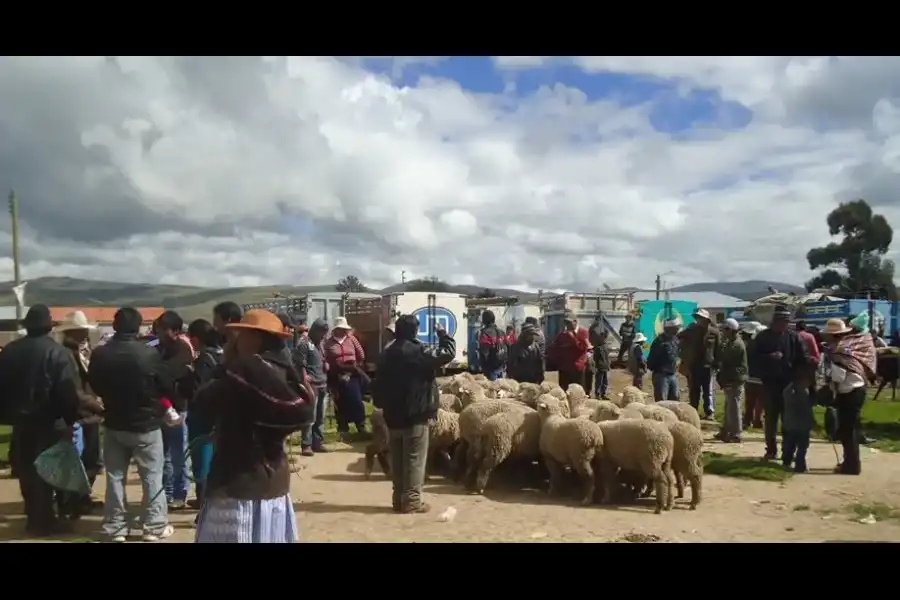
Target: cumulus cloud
x,y
299,170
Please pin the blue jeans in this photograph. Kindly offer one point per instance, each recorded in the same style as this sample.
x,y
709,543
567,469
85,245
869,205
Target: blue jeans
x,y
78,438
601,383
313,436
665,387
119,447
175,474
494,374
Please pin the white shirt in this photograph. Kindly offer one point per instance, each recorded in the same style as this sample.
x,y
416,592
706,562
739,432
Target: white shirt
x,y
845,381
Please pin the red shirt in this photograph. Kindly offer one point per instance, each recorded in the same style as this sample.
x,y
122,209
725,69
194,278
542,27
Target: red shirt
x,y
349,351
811,345
569,350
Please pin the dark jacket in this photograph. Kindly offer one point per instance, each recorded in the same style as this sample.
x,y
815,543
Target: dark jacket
x,y
89,408
627,331
733,363
601,357
700,347
39,383
405,387
793,355
308,357
754,368
130,379
663,357
255,404
526,364
177,358
798,409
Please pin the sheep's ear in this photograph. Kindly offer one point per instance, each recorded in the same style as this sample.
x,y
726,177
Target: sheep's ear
x,y
542,405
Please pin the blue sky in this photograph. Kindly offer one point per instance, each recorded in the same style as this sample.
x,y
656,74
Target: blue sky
x,y
673,112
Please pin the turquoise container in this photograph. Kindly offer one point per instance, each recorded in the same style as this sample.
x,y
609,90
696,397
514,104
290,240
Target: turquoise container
x,y
654,312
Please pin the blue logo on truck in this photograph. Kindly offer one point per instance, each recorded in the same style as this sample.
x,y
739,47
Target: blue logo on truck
x,y
441,315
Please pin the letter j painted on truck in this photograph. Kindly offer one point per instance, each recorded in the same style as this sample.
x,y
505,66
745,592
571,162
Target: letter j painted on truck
x,y
442,317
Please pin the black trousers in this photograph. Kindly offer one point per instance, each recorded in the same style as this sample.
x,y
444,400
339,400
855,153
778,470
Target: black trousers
x,y
30,440
567,377
849,406
773,404
588,384
92,457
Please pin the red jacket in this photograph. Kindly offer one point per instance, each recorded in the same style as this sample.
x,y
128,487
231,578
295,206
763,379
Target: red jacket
x,y
569,350
812,346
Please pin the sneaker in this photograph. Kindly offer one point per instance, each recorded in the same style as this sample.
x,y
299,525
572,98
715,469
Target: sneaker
x,y
307,452
117,539
177,505
800,469
167,531
418,508
769,455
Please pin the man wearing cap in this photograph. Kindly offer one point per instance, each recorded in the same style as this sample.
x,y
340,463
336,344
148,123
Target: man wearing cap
x,y
40,393
700,348
780,352
309,356
626,334
526,365
569,351
731,376
663,362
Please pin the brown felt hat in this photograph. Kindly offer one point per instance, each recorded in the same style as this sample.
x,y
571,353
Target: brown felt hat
x,y
261,320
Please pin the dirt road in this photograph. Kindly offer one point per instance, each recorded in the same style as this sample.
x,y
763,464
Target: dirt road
x,y
335,503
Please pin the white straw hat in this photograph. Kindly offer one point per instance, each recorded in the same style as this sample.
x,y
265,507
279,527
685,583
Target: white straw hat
x,y
75,320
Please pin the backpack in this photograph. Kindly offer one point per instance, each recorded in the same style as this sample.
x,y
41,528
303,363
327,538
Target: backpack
x,y
492,349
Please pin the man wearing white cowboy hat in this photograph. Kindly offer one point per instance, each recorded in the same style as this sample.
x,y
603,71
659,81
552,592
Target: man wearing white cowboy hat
x,y
637,366
701,346
74,330
346,377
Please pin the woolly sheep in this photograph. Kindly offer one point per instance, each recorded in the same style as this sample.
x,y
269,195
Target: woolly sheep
x,y
443,435
378,447
631,395
560,395
451,402
687,459
651,411
684,411
528,394
508,385
575,443
480,377
631,412
471,421
546,386
584,407
470,393
642,447
575,392
510,434
606,411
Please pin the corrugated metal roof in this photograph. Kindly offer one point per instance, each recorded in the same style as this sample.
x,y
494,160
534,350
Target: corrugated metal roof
x,y
703,299
94,314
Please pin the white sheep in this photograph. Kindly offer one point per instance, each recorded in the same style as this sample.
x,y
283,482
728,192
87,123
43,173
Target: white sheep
x,y
470,393
443,435
684,411
560,395
651,411
546,386
379,446
576,443
510,434
687,459
643,449
450,402
631,394
471,421
606,411
528,394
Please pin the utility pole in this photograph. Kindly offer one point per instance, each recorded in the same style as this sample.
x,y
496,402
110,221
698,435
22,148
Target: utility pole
x,y
658,285
17,275
402,276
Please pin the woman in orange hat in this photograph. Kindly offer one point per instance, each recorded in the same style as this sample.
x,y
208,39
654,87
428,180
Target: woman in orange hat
x,y
257,402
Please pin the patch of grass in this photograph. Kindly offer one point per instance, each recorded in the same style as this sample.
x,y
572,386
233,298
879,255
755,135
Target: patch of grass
x,y
728,465
881,512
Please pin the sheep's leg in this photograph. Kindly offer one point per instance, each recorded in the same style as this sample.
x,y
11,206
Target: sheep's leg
x,y
608,475
586,472
669,482
384,463
679,482
473,464
429,462
556,476
696,493
645,489
486,466
878,391
370,460
660,482
459,460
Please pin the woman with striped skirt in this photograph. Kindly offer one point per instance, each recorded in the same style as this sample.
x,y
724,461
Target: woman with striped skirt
x,y
256,402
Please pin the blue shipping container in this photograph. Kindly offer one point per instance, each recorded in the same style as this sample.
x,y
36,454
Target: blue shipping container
x,y
654,312
884,313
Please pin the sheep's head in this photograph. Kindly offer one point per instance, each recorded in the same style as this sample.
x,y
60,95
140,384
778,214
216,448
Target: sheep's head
x,y
632,395
548,406
575,392
558,393
470,393
607,411
546,386
528,393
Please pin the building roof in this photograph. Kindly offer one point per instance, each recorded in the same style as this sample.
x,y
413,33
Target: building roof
x,y
703,299
94,314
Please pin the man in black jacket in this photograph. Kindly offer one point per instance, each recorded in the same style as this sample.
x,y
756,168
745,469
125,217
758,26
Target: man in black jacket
x,y
40,394
406,390
131,379
780,353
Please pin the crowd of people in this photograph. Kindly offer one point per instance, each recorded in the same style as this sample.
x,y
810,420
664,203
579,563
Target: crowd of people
x,y
224,395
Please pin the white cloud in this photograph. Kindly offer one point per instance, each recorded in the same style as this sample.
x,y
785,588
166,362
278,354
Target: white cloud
x,y
436,180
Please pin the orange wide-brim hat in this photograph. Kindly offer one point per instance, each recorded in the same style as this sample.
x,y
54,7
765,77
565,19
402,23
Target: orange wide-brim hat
x,y
261,320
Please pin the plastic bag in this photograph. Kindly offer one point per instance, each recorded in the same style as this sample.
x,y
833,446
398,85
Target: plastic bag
x,y
60,466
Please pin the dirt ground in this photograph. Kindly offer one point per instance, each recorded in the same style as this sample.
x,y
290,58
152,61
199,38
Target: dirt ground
x,y
335,503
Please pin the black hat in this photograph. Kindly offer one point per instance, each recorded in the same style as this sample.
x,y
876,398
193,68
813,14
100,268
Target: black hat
x,y
37,318
781,313
287,320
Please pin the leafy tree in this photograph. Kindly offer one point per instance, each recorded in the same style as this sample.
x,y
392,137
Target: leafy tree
x,y
350,283
486,293
427,284
856,264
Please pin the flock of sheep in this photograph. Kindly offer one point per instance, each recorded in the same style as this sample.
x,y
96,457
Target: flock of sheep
x,y
619,449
